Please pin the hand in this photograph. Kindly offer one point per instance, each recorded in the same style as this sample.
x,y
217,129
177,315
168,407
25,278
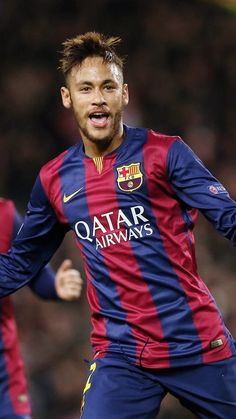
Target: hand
x,y
68,281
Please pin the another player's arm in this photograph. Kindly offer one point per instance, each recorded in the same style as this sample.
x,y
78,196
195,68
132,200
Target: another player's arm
x,y
36,242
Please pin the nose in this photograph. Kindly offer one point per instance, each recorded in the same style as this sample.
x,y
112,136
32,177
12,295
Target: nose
x,y
98,98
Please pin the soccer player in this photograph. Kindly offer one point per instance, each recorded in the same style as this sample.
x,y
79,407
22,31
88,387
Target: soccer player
x,y
14,397
131,197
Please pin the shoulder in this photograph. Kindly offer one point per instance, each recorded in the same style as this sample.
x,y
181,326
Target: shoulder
x,y
53,165
160,139
151,138
158,145
50,175
51,169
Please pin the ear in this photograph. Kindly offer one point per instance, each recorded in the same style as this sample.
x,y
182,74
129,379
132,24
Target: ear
x,y
125,94
65,95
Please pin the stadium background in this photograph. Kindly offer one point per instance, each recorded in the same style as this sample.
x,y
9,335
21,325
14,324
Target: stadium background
x,y
182,76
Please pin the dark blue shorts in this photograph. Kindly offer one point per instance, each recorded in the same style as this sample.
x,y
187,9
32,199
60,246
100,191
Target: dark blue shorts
x,y
116,389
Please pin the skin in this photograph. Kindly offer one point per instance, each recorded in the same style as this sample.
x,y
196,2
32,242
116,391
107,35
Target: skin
x,y
68,281
96,88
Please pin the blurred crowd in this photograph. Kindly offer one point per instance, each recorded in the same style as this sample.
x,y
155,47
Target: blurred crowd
x,y
181,70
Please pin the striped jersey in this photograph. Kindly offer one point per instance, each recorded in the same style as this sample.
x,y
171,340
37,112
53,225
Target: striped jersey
x,y
14,398
133,213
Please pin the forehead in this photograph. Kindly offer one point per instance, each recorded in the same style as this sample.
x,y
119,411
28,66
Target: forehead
x,y
94,70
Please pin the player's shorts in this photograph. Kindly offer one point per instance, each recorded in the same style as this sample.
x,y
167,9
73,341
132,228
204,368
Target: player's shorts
x,y
116,389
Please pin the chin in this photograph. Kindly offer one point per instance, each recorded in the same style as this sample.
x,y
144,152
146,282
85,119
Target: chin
x,y
101,139
103,135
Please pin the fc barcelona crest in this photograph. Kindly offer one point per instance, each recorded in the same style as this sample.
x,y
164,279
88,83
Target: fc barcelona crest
x,y
129,177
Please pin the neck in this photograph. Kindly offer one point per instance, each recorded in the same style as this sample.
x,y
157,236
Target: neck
x,y
100,148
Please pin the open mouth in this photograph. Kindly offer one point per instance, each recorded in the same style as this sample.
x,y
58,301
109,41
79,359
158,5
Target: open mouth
x,y
99,119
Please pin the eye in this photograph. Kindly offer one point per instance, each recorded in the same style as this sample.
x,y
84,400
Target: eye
x,y
109,87
84,89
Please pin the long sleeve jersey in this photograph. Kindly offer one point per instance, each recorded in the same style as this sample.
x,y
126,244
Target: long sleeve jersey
x,y
133,213
14,397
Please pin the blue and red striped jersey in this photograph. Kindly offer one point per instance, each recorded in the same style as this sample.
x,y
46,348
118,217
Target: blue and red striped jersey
x,y
14,398
133,213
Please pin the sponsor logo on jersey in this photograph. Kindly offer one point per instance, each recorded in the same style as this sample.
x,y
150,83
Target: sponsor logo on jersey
x,y
67,198
217,188
115,227
130,177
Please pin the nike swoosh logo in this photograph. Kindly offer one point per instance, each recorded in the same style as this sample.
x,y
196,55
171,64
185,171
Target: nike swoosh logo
x,y
67,198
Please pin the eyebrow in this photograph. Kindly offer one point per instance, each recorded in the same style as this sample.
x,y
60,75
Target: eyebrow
x,y
109,81
89,83
84,82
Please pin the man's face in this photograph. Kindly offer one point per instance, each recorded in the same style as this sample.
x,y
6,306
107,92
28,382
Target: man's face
x,y
97,95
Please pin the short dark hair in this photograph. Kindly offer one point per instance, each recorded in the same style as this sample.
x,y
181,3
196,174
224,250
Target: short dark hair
x,y
90,44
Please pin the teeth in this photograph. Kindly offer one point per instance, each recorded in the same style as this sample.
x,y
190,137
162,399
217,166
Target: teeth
x,y
97,115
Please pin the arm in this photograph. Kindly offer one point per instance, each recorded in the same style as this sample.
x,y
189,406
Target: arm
x,y
36,242
197,188
44,283
65,284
